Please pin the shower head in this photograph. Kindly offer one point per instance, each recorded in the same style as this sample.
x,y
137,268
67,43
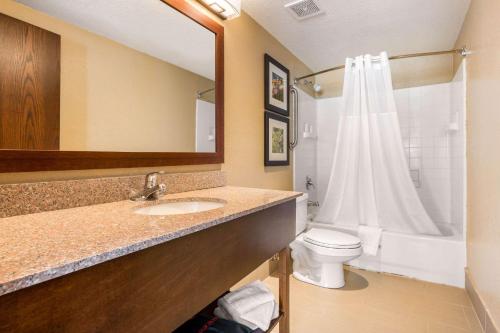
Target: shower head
x,y
315,86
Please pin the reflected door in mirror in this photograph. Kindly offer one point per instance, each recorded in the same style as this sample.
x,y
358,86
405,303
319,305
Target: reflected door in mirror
x,y
29,86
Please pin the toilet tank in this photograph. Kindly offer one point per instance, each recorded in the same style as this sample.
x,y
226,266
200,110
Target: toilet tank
x,y
301,214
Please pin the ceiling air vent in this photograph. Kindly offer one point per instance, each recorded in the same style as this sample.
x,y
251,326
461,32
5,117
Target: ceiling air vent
x,y
304,9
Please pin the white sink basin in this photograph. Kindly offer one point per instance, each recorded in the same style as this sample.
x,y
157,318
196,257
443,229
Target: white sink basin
x,y
179,207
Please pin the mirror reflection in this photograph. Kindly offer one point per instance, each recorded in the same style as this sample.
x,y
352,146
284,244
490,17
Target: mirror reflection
x,y
136,76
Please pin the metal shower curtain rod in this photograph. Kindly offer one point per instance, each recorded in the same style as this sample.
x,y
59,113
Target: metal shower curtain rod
x,y
201,93
462,51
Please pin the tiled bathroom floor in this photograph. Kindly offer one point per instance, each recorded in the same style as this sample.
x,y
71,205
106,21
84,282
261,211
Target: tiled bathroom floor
x,y
374,302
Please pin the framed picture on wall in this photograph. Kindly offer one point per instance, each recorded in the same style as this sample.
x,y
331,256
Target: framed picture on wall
x,y
275,140
276,86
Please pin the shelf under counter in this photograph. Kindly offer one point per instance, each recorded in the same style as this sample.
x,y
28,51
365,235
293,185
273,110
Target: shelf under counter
x,y
209,310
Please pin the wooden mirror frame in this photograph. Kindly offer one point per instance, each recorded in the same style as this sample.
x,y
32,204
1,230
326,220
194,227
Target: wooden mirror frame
x,y
40,160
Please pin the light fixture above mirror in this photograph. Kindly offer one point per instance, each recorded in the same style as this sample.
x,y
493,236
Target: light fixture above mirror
x,y
226,9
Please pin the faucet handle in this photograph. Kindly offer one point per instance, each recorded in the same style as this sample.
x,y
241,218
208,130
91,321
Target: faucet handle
x,y
152,178
162,189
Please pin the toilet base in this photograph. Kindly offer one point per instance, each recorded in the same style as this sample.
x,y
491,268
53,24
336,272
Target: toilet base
x,y
332,276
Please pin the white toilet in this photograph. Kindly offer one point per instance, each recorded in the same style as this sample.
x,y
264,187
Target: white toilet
x,y
319,254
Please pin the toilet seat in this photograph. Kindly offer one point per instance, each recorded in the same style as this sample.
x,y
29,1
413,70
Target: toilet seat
x,y
331,239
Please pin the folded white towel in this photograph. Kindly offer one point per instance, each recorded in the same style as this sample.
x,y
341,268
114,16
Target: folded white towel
x,y
252,305
248,296
370,239
221,313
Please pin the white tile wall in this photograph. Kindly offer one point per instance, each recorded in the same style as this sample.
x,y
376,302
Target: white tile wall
x,y
328,119
305,153
424,118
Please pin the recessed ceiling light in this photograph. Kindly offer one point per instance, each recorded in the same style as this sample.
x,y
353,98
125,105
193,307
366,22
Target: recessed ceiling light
x,y
216,8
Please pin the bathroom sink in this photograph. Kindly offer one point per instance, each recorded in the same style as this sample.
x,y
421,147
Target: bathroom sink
x,y
179,207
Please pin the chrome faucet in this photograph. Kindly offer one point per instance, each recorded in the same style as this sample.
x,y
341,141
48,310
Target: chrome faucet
x,y
152,190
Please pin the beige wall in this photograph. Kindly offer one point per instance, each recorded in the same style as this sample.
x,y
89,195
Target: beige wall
x,y
138,103
481,33
107,88
245,45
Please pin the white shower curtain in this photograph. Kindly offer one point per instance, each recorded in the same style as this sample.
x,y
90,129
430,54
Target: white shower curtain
x,y
370,183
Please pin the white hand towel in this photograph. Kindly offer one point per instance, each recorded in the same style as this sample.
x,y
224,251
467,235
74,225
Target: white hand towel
x,y
221,313
260,315
370,239
252,305
248,297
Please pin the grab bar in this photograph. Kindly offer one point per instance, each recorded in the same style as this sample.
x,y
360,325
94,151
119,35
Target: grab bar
x,y
295,117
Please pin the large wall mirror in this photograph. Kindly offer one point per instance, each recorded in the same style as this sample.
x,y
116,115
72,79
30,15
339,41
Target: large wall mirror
x,y
114,84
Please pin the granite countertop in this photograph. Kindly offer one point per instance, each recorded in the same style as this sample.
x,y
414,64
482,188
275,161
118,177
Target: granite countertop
x,y
38,247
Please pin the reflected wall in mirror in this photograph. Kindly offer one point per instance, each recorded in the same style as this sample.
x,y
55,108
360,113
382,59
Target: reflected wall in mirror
x,y
136,76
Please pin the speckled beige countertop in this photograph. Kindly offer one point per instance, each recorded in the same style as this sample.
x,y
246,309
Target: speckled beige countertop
x,y
38,247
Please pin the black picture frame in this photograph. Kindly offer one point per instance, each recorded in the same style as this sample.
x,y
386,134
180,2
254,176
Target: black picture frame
x,y
268,63
268,161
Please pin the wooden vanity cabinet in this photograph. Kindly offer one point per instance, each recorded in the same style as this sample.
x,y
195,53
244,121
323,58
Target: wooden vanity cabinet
x,y
159,288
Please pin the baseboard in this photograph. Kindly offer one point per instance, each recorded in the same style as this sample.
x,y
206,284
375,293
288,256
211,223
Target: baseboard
x,y
481,310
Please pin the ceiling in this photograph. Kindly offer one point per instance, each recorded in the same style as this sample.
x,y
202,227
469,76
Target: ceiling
x,y
353,27
149,26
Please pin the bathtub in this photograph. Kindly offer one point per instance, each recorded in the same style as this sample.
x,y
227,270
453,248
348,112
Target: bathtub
x,y
438,259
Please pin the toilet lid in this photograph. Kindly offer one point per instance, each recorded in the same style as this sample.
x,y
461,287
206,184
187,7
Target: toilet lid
x,y
332,239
